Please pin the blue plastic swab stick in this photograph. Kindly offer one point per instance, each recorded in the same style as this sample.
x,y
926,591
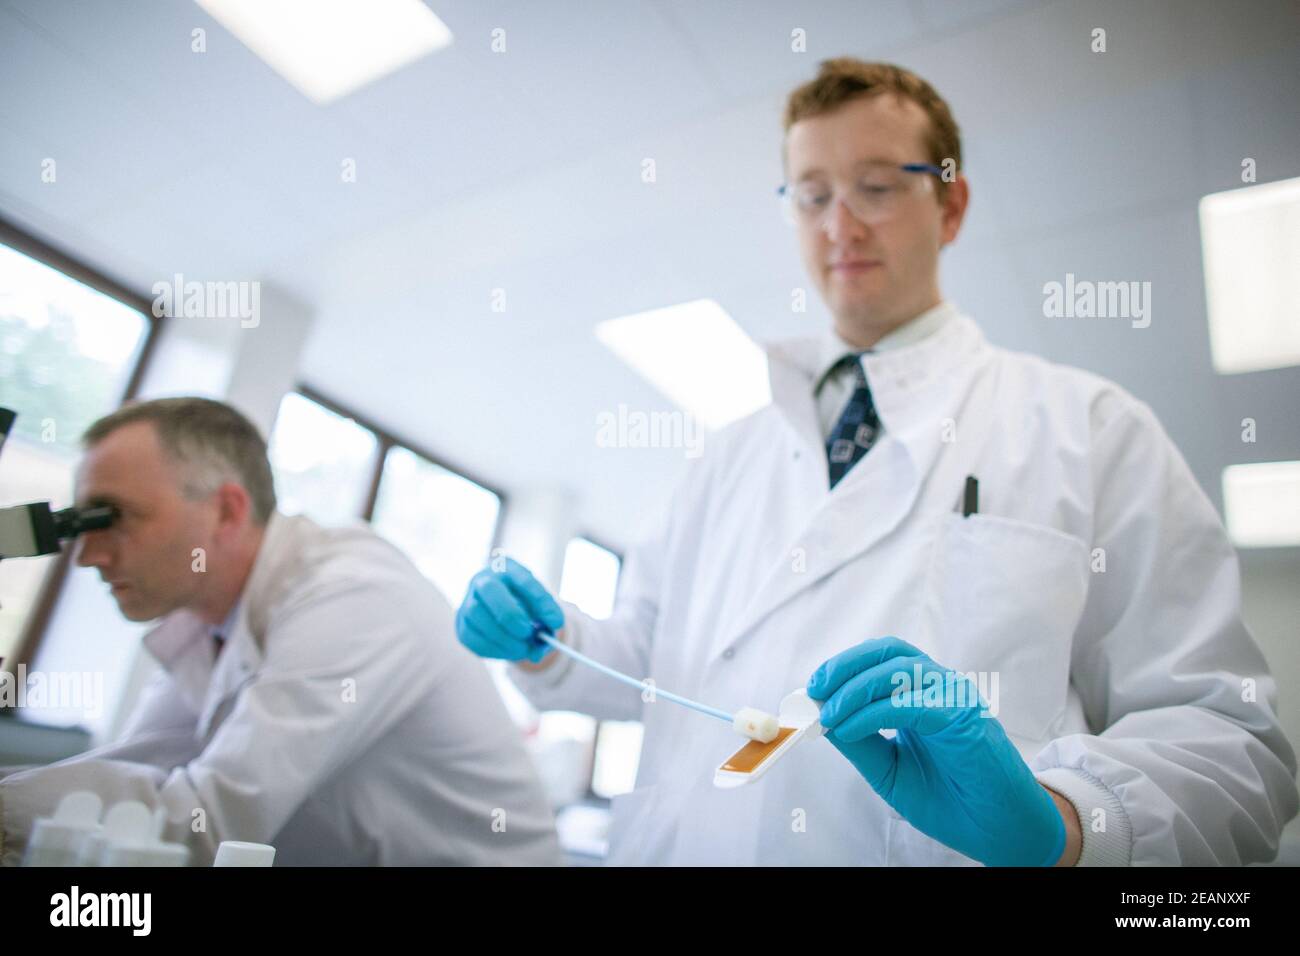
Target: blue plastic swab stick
x,y
543,634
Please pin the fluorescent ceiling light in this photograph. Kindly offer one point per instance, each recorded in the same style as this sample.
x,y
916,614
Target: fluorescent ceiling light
x,y
328,48
1250,243
1262,504
696,355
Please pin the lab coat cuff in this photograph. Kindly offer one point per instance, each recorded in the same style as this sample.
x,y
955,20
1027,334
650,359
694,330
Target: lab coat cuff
x,y
1111,846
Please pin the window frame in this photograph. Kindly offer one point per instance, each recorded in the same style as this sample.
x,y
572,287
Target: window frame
x,y
389,440
51,590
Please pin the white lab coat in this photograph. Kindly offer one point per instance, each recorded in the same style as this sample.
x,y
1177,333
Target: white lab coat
x,y
343,723
1122,688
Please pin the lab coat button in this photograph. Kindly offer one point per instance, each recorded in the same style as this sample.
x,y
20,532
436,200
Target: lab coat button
x,y
729,653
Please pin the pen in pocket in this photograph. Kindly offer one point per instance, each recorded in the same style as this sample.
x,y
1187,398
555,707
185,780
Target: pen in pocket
x,y
971,500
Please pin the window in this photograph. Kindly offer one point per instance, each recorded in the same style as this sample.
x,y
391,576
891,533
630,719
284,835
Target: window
x,y
336,468
445,523
67,353
323,462
618,753
589,577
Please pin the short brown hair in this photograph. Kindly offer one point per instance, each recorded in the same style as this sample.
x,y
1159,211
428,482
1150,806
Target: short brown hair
x,y
210,441
845,78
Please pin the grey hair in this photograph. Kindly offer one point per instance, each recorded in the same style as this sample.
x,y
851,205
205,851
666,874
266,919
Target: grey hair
x,y
209,441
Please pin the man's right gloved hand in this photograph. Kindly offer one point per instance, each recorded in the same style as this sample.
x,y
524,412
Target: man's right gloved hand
x,y
500,613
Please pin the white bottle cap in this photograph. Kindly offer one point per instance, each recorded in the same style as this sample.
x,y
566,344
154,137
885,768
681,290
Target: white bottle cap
x,y
236,853
129,828
57,840
127,822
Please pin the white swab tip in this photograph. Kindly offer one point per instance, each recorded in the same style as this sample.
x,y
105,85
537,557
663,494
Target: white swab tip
x,y
755,724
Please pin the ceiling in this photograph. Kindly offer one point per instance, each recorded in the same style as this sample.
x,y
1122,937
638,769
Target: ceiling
x,y
521,171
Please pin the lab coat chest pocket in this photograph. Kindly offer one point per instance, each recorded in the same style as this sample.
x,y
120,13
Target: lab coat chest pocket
x,y
1005,597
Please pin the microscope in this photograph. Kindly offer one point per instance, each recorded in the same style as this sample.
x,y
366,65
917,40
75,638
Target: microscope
x,y
33,529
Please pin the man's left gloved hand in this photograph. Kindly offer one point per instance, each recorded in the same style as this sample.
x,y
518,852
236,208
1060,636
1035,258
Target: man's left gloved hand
x,y
950,772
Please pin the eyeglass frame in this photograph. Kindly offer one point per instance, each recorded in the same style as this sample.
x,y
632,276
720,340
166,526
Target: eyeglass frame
x,y
785,191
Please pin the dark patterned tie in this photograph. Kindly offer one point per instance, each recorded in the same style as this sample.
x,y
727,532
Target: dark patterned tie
x,y
857,428
218,641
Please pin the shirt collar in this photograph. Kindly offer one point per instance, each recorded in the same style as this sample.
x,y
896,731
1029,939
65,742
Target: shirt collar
x,y
227,627
898,377
832,348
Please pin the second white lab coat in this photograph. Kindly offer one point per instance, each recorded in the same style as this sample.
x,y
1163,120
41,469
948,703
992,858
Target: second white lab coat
x,y
1122,687
343,723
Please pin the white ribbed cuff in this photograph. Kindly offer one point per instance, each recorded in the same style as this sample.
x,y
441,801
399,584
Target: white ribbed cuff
x,y
1112,846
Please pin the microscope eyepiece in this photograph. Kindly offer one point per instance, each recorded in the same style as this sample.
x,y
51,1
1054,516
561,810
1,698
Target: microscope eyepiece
x,y
33,529
71,522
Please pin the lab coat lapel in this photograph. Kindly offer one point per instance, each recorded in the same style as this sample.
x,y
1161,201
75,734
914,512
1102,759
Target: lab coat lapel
x,y
179,644
848,522
789,373
916,388
244,652
234,668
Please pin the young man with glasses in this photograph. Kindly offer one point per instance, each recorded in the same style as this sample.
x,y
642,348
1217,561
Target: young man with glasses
x,y
1020,613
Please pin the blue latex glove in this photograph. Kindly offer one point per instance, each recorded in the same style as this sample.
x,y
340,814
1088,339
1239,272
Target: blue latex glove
x,y
500,612
950,772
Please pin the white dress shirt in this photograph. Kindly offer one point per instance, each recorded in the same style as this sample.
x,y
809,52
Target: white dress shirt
x,y
835,386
